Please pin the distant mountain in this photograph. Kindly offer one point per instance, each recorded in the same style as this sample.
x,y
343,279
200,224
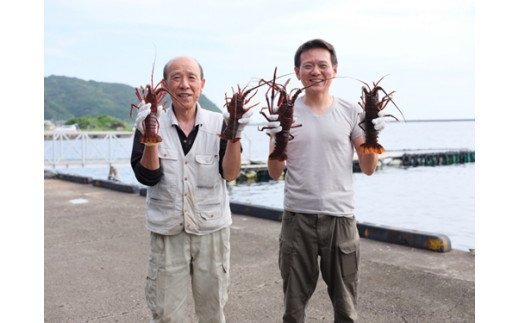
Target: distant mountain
x,y
70,97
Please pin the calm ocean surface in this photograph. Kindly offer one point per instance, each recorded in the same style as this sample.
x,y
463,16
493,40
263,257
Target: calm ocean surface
x,y
434,199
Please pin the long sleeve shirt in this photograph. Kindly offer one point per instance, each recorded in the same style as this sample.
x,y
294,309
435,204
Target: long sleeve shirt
x,y
151,177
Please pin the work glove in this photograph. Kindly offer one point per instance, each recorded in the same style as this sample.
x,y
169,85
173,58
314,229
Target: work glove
x,y
273,126
242,122
144,110
379,122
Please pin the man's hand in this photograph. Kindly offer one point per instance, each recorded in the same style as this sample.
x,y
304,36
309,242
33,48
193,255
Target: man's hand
x,y
273,126
242,122
379,122
144,110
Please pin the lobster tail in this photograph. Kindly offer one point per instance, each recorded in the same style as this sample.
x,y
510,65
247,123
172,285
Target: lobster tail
x,y
372,149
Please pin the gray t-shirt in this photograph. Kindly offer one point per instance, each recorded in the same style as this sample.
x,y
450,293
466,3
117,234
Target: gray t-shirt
x,y
319,160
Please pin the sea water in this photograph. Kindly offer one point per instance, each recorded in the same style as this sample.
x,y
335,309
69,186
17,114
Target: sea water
x,y
434,199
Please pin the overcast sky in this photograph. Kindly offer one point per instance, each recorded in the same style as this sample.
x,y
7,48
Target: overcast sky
x,y
426,47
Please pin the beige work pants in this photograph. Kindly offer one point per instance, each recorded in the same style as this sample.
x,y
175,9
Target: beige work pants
x,y
178,260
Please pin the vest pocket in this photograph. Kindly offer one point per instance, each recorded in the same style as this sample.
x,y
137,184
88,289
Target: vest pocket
x,y
167,153
209,207
209,212
163,205
207,174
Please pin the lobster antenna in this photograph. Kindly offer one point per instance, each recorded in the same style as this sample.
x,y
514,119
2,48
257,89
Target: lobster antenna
x,y
285,75
376,83
260,80
305,87
153,65
274,84
260,83
352,78
279,76
300,90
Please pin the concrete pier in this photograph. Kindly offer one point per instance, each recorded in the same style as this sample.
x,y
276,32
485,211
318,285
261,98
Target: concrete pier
x,y
96,250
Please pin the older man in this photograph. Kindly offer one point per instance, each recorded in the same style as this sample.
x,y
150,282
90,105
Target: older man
x,y
188,211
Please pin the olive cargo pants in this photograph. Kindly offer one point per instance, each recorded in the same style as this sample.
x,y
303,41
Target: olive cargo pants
x,y
335,240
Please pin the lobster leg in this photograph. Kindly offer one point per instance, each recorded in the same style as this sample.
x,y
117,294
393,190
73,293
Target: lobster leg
x,y
384,103
390,99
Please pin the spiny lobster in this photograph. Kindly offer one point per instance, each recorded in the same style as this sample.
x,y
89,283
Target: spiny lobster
x,y
371,104
236,107
156,97
285,110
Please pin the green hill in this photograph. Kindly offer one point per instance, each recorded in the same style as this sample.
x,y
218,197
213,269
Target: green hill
x,y
69,97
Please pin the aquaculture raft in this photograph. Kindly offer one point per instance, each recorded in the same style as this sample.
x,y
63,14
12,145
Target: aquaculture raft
x,y
437,158
257,171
